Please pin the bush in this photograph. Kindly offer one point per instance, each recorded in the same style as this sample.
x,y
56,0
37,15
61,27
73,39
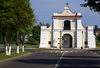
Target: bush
x,y
98,37
32,41
98,43
2,51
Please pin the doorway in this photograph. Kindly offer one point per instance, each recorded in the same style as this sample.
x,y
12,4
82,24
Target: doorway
x,y
67,41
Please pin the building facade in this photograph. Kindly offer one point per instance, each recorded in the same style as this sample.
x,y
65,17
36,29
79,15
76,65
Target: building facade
x,y
67,31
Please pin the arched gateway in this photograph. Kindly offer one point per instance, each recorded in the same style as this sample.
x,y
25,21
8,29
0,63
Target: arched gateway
x,y
67,41
68,25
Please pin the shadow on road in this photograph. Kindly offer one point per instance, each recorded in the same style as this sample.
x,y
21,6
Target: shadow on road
x,y
85,57
78,67
38,61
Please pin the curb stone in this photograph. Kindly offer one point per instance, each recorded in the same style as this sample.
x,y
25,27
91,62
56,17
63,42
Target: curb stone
x,y
62,52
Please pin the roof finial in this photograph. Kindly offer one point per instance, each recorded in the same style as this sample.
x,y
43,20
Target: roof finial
x,y
66,4
66,7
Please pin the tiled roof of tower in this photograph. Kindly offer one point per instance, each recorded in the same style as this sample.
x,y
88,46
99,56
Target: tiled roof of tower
x,y
66,16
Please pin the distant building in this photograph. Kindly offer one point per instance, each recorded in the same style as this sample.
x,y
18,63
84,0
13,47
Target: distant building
x,y
97,32
67,31
26,37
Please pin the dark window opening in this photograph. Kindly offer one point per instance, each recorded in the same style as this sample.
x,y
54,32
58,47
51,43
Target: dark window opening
x,y
49,42
67,25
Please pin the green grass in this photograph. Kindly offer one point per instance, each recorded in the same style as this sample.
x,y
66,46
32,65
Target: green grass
x,y
31,46
1,46
2,51
2,57
97,45
98,52
26,46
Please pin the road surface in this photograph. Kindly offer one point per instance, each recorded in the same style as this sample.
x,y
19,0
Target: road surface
x,y
57,59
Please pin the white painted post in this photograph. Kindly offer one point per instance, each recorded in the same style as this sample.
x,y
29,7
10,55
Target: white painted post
x,y
17,49
22,48
9,50
6,48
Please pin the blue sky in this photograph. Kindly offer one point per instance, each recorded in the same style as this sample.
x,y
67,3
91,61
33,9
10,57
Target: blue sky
x,y
45,8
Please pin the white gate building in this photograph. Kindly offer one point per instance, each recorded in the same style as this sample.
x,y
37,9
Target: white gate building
x,y
67,31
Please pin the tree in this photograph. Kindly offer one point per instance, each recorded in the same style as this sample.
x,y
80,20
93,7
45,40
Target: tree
x,y
16,17
42,24
25,18
48,25
98,37
35,38
6,20
96,28
36,33
93,4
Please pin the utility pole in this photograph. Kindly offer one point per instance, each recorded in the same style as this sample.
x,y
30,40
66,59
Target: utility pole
x,y
52,34
60,39
82,41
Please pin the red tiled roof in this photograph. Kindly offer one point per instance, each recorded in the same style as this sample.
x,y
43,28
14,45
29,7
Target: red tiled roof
x,y
97,31
67,16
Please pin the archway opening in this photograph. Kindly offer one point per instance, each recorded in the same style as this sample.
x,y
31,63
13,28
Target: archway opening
x,y
67,25
67,41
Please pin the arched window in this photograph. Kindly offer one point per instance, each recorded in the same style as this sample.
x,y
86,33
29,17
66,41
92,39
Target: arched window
x,y
67,25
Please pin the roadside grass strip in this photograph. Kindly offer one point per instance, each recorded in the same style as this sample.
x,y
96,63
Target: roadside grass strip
x,y
3,57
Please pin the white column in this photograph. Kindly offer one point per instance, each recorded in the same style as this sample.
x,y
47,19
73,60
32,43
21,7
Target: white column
x,y
91,37
79,33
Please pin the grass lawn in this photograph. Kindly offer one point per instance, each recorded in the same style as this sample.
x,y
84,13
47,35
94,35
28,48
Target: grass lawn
x,y
98,47
2,57
26,46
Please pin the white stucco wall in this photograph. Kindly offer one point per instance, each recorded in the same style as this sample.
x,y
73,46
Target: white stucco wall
x,y
59,23
91,37
80,34
55,22
43,37
55,38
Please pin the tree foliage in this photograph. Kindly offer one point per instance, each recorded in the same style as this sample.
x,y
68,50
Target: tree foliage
x,y
48,25
96,28
7,18
93,4
36,32
98,37
16,17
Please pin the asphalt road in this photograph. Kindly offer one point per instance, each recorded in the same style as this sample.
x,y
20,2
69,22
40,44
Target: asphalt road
x,y
83,59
